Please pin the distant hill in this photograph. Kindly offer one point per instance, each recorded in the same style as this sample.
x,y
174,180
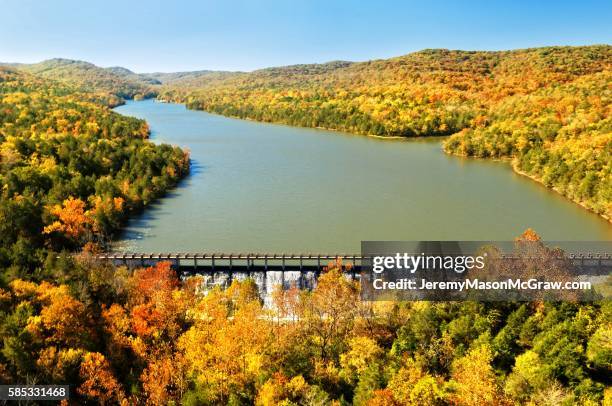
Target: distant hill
x,y
117,81
136,77
193,79
431,92
302,70
547,109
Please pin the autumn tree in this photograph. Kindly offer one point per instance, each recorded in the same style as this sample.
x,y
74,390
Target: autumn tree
x,y
327,314
99,383
72,220
226,347
411,385
475,379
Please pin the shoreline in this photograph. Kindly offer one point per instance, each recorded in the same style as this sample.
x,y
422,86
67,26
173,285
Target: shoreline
x,y
512,163
556,190
374,136
509,160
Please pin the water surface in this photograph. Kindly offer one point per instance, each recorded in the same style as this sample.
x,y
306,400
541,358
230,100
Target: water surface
x,y
258,187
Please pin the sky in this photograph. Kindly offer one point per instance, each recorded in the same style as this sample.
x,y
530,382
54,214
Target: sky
x,y
167,36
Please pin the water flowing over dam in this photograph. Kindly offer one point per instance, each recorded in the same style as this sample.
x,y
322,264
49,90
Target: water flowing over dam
x,y
301,271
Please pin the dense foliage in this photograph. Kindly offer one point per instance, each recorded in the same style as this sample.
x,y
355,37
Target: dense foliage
x,y
115,81
70,169
561,136
548,109
147,338
191,79
432,92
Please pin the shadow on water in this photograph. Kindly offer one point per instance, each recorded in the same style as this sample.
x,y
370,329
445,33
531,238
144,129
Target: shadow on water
x,y
195,168
133,230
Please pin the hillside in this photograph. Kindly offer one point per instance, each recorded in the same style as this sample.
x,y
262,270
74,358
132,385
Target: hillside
x,y
132,76
119,82
443,92
71,168
560,136
546,109
191,80
432,92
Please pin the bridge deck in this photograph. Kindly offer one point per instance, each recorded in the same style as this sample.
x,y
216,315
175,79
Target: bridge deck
x,y
238,262
262,262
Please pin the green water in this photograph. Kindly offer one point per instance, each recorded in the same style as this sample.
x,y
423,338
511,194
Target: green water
x,y
270,188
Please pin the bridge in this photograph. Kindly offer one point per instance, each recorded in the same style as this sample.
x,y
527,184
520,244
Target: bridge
x,y
286,270
240,262
268,270
261,262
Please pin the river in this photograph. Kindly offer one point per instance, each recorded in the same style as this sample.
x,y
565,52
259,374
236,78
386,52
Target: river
x,y
257,187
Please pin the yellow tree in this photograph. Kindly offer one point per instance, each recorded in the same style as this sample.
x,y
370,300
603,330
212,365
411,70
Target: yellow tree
x,y
411,385
474,379
98,381
327,314
72,219
363,353
63,320
225,349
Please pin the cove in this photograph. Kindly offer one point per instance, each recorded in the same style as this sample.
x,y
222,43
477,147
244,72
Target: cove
x,y
259,187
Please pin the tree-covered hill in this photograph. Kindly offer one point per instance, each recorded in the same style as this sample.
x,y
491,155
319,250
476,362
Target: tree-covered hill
x,y
432,92
70,169
563,92
547,109
129,75
191,79
119,82
560,136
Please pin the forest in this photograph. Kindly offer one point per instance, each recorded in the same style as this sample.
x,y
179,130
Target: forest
x,y
146,337
545,109
116,83
72,171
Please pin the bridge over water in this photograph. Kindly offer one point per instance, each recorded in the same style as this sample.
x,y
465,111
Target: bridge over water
x,y
252,263
287,270
301,270
214,262
268,270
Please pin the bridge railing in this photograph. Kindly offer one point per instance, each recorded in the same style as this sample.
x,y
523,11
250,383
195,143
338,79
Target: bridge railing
x,y
285,261
252,261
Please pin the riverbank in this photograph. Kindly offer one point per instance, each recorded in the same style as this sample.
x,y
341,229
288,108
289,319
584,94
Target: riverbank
x,y
582,204
259,187
374,136
607,217
512,162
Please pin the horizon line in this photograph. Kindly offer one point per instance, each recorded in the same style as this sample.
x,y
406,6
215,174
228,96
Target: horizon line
x,y
13,63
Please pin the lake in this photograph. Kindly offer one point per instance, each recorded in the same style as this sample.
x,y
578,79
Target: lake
x,y
257,187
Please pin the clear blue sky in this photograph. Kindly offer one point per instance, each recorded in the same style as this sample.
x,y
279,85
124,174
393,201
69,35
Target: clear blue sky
x,y
244,35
